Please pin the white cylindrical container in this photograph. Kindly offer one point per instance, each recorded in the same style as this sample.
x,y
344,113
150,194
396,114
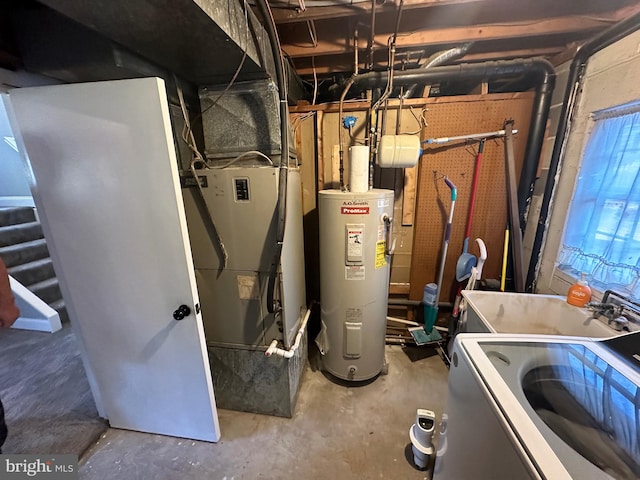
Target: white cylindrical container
x,y
399,151
354,280
359,168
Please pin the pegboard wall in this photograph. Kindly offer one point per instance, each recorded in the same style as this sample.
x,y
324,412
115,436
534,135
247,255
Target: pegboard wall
x,y
447,118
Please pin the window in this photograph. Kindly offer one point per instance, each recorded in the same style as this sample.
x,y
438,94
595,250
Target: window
x,y
602,232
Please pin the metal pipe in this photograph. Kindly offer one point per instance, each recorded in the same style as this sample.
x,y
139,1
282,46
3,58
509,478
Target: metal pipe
x,y
376,125
545,76
472,136
340,108
372,37
412,303
274,42
355,51
340,129
576,72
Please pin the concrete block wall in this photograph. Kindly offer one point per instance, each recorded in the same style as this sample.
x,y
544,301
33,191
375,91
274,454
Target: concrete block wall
x,y
611,80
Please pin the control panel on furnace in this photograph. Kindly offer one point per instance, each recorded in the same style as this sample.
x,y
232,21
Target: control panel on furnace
x,y
241,189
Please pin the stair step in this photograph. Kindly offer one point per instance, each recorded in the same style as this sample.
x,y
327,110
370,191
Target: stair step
x,y
60,307
48,290
16,215
23,232
33,272
24,252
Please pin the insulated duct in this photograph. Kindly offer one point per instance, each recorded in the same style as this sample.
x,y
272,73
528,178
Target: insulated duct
x,y
545,81
440,58
576,73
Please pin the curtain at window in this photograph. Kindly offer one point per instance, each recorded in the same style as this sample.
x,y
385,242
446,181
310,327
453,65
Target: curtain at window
x,y
602,232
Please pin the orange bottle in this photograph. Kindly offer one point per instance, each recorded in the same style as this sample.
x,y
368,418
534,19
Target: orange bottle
x,y
579,293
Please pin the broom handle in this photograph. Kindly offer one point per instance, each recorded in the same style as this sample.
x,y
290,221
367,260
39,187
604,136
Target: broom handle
x,y
447,235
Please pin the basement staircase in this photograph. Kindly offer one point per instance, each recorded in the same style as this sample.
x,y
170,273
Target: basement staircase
x,y
24,251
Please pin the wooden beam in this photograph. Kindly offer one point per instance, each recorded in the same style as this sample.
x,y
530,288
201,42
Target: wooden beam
x,y
293,15
331,41
415,102
399,289
565,55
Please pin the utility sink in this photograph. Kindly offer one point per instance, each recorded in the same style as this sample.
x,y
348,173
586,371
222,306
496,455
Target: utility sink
x,y
500,312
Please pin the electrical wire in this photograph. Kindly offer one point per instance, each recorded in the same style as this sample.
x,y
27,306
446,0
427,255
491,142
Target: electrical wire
x,y
299,118
240,157
275,306
315,81
422,122
190,140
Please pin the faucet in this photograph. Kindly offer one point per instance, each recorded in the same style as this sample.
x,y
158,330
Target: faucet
x,y
620,311
620,323
609,310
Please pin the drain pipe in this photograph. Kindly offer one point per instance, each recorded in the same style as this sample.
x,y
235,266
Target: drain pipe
x,y
273,347
274,41
545,74
576,74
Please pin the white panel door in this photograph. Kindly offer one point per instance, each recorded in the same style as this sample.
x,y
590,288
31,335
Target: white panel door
x,y
108,194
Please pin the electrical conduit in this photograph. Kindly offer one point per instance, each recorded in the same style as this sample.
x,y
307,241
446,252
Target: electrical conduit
x,y
274,41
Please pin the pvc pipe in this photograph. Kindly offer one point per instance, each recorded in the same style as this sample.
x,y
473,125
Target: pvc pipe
x,y
403,321
273,347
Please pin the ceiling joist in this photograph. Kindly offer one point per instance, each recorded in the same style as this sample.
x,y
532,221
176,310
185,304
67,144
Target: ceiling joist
x,y
500,29
331,39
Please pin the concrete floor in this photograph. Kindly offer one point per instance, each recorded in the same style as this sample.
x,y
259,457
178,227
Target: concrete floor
x,y
338,432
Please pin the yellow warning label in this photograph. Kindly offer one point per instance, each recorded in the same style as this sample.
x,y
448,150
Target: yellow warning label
x,y
381,259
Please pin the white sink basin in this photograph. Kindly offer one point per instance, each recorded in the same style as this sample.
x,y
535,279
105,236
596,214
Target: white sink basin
x,y
498,312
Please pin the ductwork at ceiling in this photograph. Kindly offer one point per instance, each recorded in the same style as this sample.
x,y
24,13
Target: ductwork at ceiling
x,y
202,42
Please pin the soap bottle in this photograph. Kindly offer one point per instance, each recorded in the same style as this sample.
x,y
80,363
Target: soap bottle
x,y
579,293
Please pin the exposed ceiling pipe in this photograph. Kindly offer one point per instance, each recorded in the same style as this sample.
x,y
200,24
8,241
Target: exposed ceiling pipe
x,y
545,82
392,55
476,71
440,58
274,42
372,37
576,74
340,107
375,125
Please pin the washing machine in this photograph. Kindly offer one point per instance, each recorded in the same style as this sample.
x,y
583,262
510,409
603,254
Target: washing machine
x,y
541,407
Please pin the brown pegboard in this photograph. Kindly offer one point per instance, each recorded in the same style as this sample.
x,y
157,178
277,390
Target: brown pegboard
x,y
447,118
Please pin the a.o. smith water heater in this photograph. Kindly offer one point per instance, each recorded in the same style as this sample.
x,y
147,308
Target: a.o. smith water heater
x,y
355,230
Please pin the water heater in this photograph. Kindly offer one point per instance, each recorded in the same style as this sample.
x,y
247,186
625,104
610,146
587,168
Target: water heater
x,y
355,231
